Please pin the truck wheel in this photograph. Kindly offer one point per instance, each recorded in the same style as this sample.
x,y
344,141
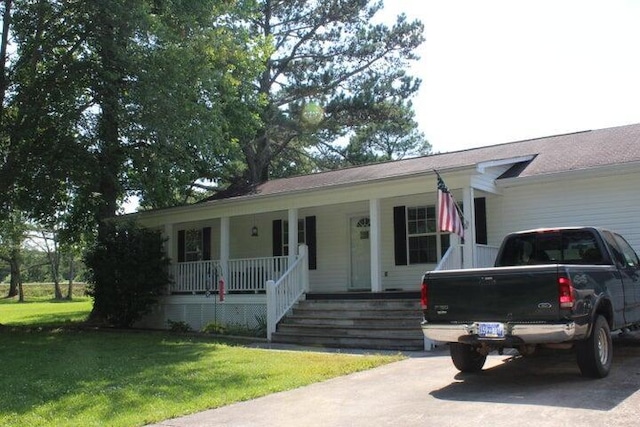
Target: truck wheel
x,y
595,354
466,358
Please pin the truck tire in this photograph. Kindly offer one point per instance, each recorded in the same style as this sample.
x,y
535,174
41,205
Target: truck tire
x,y
595,354
466,358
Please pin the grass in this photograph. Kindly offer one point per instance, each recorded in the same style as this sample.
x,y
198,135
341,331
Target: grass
x,y
70,377
40,309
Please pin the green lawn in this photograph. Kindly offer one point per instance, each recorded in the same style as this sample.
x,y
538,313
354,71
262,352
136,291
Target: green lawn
x,y
72,377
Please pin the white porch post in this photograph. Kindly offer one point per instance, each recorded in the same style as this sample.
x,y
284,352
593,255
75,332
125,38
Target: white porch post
x,y
293,235
303,250
470,231
169,247
374,236
225,238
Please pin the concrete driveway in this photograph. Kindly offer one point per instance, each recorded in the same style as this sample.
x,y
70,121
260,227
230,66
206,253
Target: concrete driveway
x,y
426,390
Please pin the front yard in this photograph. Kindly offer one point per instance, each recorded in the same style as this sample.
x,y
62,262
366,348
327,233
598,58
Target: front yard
x,y
67,375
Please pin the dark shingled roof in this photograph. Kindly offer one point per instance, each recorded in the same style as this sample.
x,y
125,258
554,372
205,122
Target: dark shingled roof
x,y
553,154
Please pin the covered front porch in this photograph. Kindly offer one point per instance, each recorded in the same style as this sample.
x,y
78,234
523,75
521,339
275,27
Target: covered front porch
x,y
251,275
267,288
254,256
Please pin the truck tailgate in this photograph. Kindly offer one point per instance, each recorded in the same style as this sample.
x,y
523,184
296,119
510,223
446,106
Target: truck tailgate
x,y
528,293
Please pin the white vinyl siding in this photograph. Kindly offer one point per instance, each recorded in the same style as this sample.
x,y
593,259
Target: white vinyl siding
x,y
611,202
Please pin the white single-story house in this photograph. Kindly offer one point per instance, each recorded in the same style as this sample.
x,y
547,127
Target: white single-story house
x,y
373,228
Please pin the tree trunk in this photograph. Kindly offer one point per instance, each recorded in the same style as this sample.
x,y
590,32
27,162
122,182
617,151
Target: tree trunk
x,y
111,38
54,262
15,286
56,289
71,276
4,43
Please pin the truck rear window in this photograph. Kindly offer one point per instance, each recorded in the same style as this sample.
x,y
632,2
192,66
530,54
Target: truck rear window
x,y
564,247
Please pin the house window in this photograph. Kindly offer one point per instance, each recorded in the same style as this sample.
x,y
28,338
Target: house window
x,y
285,235
193,245
363,226
426,244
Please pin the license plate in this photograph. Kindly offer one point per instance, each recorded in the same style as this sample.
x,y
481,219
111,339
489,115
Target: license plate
x,y
490,330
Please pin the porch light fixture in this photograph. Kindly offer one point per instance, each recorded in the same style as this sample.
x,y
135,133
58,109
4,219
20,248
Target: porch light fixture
x,y
254,229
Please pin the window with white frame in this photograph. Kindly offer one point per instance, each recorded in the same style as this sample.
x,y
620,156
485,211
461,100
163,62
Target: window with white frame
x,y
193,245
426,244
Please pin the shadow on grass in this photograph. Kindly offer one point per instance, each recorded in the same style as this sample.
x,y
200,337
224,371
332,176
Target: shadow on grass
x,y
87,377
105,374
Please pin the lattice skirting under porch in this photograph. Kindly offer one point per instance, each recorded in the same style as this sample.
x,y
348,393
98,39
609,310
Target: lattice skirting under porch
x,y
202,311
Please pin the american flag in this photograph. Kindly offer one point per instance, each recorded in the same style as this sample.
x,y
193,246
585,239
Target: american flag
x,y
449,217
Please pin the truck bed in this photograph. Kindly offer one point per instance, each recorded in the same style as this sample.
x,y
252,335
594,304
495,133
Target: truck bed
x,y
494,294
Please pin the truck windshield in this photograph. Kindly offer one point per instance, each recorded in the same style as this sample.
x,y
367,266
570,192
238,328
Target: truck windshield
x,y
564,247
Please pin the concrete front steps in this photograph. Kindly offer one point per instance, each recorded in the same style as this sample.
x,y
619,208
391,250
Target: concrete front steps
x,y
386,321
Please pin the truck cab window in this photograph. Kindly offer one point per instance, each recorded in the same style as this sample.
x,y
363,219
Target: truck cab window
x,y
567,247
580,247
630,257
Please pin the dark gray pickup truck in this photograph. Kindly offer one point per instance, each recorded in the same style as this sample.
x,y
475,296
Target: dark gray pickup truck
x,y
561,288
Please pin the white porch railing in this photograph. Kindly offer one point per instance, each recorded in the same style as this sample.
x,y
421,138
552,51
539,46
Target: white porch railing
x,y
196,276
244,275
252,274
452,259
284,293
486,255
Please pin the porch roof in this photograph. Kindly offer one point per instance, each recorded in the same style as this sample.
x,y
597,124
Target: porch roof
x,y
530,159
550,155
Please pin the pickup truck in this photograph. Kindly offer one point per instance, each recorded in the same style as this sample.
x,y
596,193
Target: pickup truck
x,y
565,288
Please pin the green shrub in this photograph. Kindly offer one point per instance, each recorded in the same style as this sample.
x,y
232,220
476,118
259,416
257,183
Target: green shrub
x,y
128,272
178,326
238,329
261,329
215,328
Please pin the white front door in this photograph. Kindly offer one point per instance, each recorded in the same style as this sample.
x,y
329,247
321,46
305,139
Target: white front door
x,y
360,253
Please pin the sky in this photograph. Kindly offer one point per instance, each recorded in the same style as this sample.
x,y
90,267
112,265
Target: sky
x,y
496,71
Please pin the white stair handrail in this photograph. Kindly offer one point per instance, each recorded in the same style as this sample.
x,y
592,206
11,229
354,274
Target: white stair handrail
x,y
284,293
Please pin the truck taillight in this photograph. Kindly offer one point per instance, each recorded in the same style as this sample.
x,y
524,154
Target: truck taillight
x,y
423,295
566,296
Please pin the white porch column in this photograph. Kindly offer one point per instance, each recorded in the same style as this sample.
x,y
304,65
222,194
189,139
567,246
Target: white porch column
x,y
374,239
225,238
470,232
293,235
169,246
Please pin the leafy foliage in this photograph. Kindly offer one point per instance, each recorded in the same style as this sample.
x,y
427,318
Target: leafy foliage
x,y
178,326
128,272
330,54
167,99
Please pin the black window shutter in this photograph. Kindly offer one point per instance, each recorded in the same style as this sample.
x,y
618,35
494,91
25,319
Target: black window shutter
x,y
206,243
181,240
277,237
480,207
400,234
310,229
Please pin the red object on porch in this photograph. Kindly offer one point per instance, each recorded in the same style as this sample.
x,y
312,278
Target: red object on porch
x,y
221,289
